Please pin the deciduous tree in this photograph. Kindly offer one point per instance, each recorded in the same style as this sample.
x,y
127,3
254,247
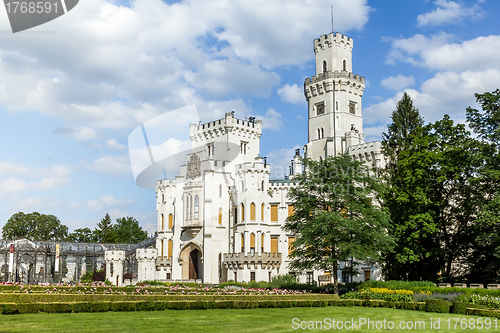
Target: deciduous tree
x,y
128,230
34,226
338,216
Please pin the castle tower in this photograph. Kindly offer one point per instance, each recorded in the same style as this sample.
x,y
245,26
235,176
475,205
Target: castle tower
x,y
334,99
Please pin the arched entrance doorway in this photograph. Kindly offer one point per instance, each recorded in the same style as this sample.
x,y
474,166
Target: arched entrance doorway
x,y
191,259
194,264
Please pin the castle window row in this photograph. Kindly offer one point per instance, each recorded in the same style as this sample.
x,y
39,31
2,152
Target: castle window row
x,y
274,212
272,246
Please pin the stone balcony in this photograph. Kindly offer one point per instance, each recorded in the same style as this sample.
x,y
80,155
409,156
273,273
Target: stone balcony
x,y
192,228
163,262
265,260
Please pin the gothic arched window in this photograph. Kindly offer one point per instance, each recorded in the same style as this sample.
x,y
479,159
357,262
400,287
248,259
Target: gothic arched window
x,y
196,207
344,65
325,68
252,243
252,212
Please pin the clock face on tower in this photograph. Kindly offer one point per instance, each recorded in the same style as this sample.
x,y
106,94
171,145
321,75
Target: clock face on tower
x,y
352,108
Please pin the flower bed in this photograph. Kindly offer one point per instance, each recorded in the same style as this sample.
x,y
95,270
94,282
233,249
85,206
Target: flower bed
x,y
16,298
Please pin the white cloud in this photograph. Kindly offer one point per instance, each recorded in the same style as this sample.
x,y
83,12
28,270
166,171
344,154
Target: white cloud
x,y
271,120
13,185
108,202
80,133
411,49
113,144
113,165
31,204
398,82
374,133
280,161
475,54
448,12
22,178
117,66
445,93
438,53
49,183
380,112
291,94
7,168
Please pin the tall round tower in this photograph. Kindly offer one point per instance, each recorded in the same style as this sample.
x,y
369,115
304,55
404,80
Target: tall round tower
x,y
334,99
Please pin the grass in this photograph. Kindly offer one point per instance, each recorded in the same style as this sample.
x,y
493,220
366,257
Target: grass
x,y
247,320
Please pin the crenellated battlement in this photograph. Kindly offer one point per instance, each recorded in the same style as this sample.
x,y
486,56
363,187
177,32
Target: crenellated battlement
x,y
114,255
281,184
217,128
146,254
253,167
334,75
332,39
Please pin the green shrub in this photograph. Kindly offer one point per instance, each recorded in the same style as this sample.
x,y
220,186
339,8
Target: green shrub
x,y
437,305
461,307
8,308
487,301
392,284
351,295
483,312
258,285
284,279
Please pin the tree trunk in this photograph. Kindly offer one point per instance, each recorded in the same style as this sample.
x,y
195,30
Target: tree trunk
x,y
335,279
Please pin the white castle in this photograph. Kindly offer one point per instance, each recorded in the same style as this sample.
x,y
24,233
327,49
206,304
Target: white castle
x,y
220,219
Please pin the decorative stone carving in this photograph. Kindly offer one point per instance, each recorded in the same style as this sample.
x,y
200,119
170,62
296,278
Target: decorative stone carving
x,y
193,167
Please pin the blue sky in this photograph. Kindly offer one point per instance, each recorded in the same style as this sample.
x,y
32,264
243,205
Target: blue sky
x,y
72,90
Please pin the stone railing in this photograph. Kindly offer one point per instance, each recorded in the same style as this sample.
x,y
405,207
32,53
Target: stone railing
x,y
165,261
265,260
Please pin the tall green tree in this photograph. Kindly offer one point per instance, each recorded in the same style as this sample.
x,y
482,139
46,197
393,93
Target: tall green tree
x,y
34,226
405,121
484,257
338,216
82,235
434,206
486,122
106,230
128,230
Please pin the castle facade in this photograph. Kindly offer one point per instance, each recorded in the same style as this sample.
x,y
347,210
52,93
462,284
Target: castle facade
x,y
220,219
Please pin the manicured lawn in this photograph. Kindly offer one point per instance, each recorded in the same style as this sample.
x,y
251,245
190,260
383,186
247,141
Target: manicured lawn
x,y
248,320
